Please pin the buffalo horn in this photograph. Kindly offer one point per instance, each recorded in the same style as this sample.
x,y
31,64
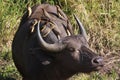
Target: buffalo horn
x,y
56,47
81,27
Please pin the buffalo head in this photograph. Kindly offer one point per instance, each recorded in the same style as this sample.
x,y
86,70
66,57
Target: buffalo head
x,y
72,52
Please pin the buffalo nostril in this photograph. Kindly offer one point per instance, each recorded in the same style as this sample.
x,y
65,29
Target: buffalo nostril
x,y
98,61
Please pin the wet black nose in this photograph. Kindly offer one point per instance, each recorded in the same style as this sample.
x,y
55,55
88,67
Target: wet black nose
x,y
98,61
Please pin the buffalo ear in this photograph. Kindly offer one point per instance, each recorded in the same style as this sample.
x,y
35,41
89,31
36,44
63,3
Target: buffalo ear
x,y
81,27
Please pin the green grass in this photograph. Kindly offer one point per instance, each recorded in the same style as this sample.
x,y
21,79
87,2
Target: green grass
x,y
101,19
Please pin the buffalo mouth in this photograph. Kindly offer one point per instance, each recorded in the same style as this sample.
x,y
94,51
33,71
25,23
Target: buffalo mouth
x,y
94,64
91,69
90,61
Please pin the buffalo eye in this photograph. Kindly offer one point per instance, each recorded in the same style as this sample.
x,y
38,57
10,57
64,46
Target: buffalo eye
x,y
71,49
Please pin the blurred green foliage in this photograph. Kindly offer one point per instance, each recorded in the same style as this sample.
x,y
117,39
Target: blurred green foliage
x,y
101,19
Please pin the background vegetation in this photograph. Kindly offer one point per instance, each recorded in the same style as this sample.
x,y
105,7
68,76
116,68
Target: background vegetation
x,y
101,19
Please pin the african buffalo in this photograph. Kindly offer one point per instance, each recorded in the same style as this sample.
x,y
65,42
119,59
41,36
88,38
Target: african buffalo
x,y
45,48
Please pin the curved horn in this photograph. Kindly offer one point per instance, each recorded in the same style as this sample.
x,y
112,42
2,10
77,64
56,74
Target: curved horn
x,y
81,27
56,47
